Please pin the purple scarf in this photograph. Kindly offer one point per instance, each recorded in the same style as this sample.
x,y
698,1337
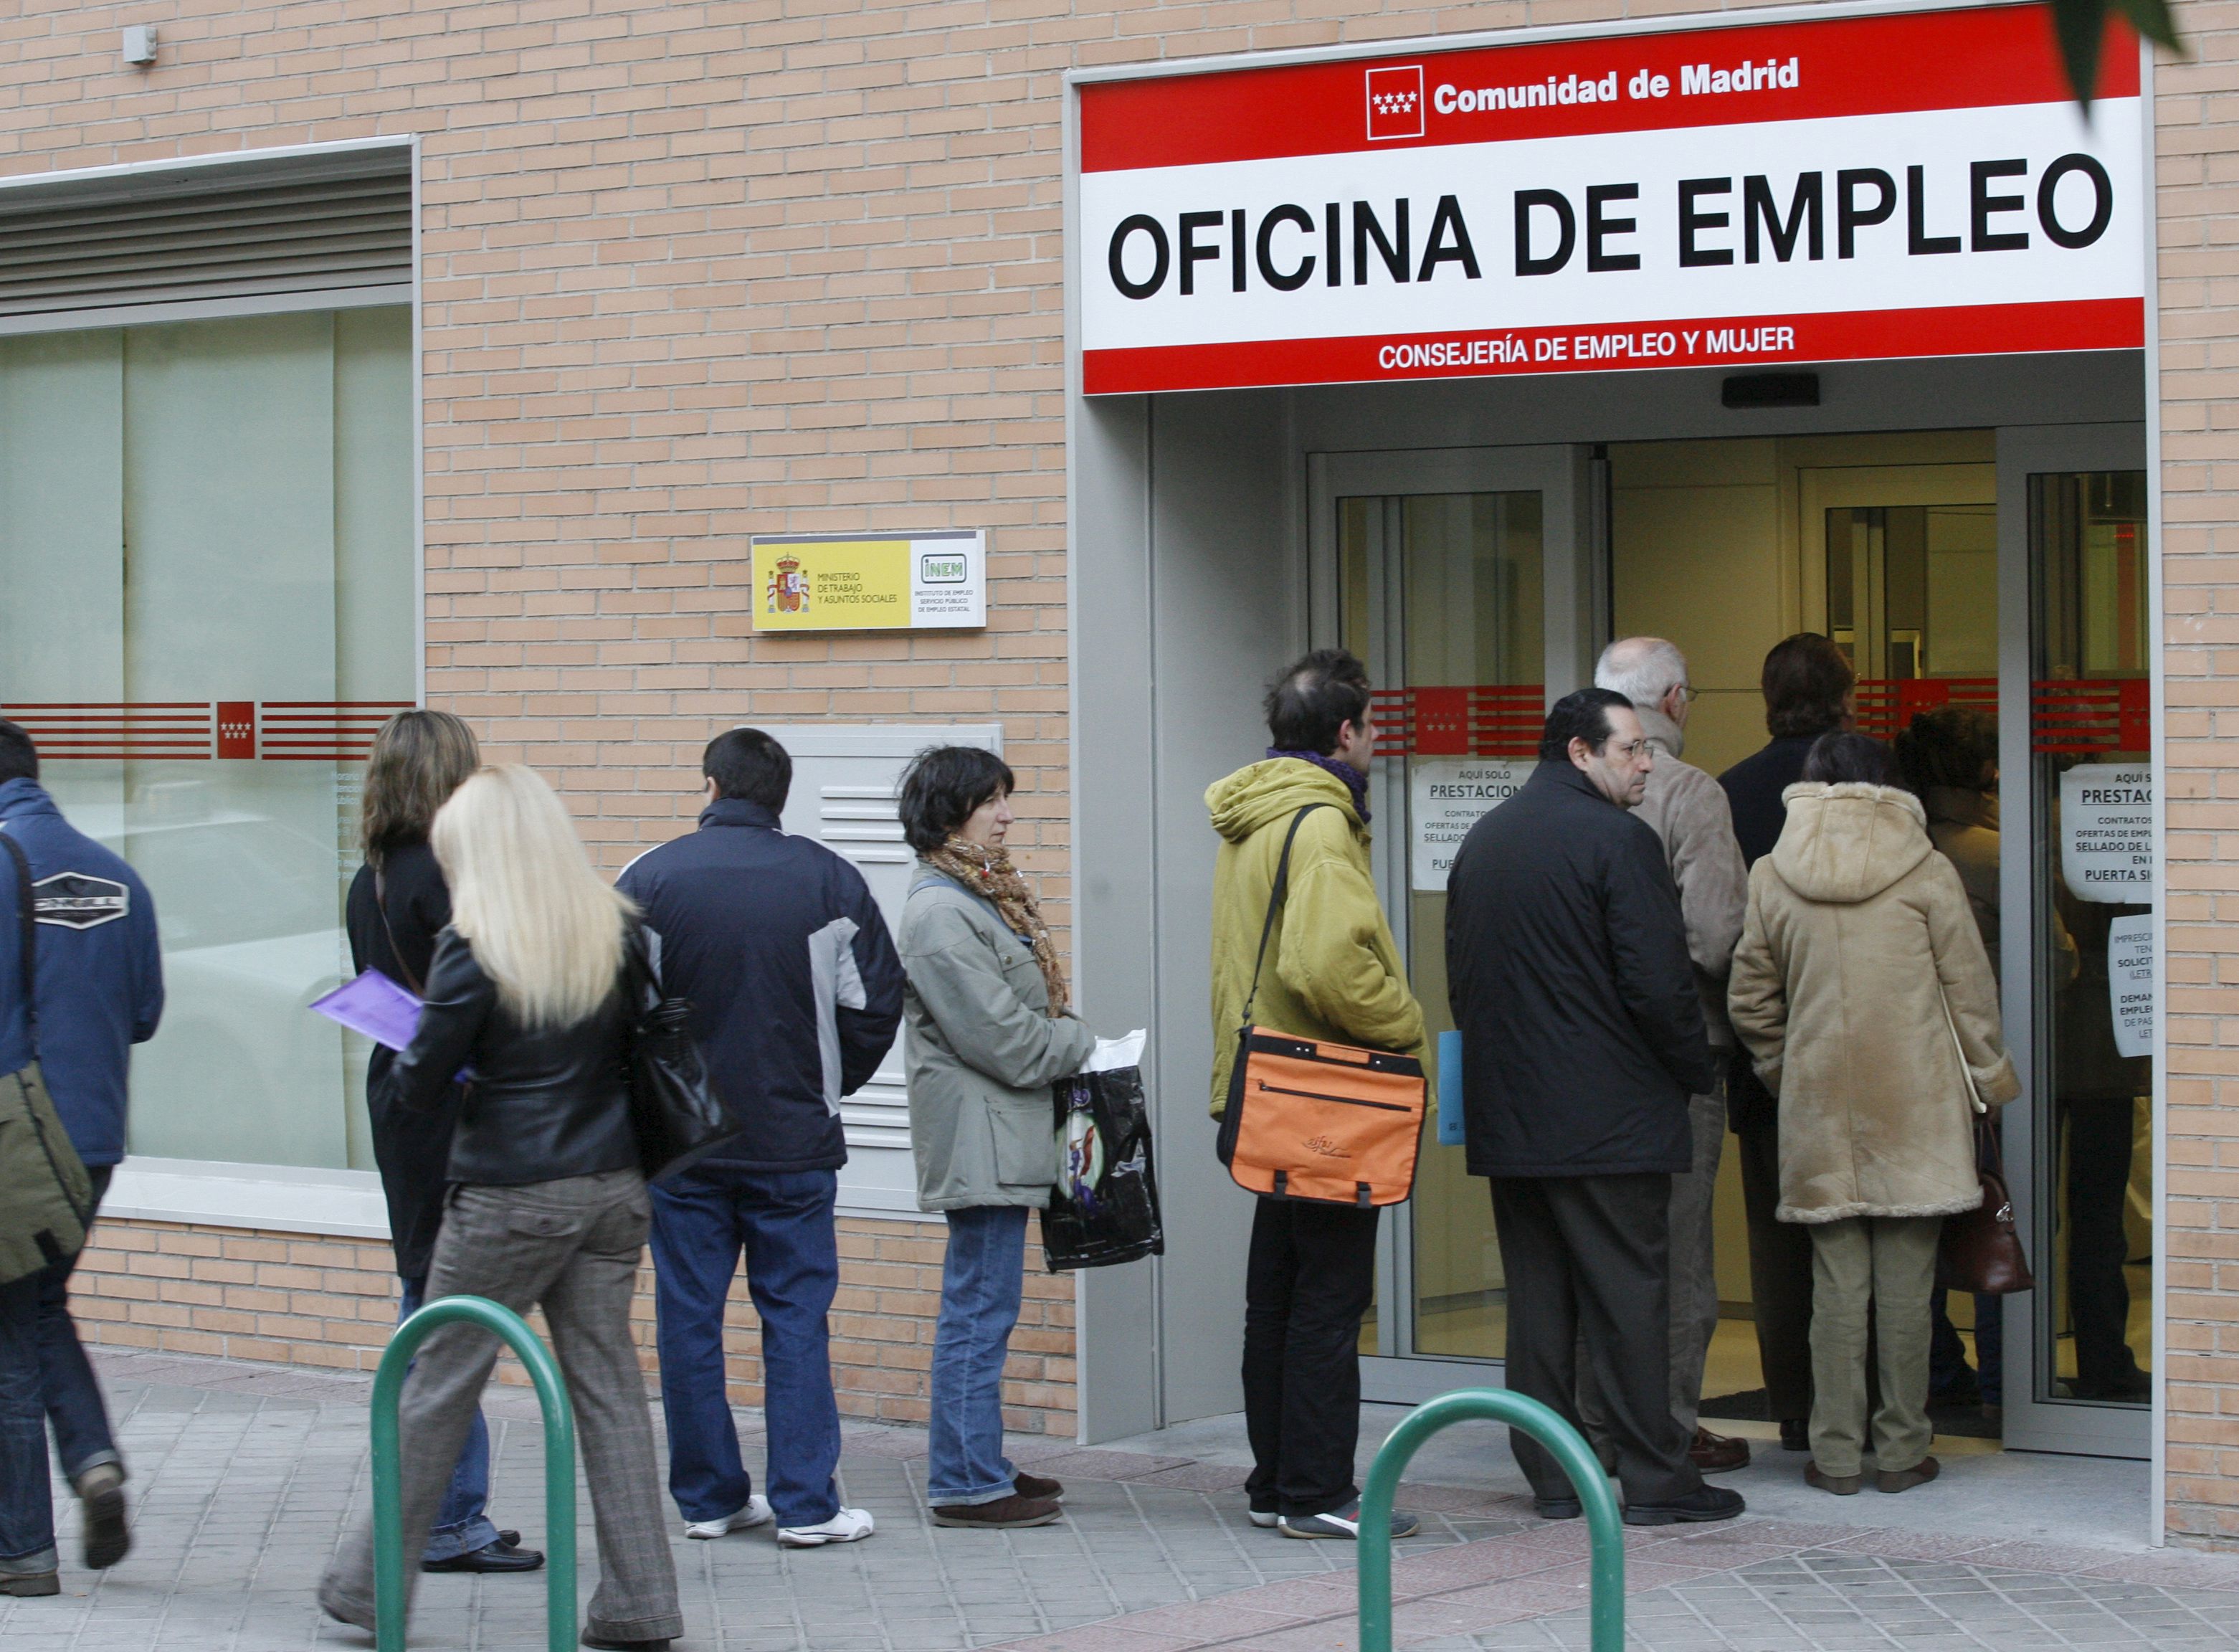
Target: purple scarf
x,y
1355,781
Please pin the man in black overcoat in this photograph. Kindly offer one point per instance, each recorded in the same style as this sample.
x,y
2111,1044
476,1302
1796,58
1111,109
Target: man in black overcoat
x,y
1582,1039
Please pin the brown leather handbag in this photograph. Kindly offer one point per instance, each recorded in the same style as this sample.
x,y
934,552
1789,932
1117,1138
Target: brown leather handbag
x,y
1981,1250
1308,1118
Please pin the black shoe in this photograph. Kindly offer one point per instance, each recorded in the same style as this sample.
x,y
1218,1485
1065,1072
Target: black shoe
x,y
1558,1508
607,1643
108,1539
500,1557
1711,1502
1795,1434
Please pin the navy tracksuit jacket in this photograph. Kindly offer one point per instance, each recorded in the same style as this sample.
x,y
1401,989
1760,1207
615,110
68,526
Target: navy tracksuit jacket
x,y
101,970
795,988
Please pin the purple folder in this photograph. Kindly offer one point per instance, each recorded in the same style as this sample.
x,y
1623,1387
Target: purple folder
x,y
376,1006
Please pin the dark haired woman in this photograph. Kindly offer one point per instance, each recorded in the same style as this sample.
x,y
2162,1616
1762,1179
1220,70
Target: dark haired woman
x,y
986,1032
398,905
1863,992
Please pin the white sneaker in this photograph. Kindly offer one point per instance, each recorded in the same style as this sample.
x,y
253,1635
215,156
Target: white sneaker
x,y
756,1513
848,1526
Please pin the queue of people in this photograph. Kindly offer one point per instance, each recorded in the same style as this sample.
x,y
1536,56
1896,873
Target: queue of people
x,y
1639,959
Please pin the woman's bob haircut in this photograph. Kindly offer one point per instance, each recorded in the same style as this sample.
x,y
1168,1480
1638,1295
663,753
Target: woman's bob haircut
x,y
942,787
545,927
419,758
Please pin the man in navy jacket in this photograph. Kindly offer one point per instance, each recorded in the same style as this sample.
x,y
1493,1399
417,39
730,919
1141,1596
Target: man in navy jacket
x,y
796,992
99,991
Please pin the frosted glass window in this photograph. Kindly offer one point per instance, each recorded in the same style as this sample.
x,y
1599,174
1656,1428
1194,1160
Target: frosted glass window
x,y
208,597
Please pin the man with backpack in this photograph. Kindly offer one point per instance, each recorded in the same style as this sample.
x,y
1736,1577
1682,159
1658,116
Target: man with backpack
x,y
81,982
1330,970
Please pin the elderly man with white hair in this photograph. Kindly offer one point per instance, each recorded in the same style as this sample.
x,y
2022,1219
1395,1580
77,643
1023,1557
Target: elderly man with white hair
x,y
1690,813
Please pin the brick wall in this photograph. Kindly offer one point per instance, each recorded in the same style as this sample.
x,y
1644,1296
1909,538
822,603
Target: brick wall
x,y
299,1300
2194,169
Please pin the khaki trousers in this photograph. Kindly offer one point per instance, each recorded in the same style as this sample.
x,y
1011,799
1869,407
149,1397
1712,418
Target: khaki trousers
x,y
1887,1263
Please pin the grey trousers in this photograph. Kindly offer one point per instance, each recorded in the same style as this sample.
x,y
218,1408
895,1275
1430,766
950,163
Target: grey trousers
x,y
572,1248
1889,1263
1694,1258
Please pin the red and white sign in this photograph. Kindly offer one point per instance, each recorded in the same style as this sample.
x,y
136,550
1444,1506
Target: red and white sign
x,y
1919,184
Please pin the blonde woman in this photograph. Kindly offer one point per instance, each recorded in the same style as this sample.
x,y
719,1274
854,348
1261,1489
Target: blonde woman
x,y
547,1208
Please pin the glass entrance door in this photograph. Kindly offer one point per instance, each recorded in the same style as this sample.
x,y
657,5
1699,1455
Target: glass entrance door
x,y
1455,580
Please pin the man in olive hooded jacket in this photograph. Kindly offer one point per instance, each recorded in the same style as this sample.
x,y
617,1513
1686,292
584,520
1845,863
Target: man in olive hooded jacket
x,y
1332,971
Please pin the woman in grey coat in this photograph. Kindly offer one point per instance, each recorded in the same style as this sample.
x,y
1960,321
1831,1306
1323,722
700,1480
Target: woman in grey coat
x,y
986,1032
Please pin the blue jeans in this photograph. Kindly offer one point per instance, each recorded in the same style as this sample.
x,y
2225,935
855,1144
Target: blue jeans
x,y
981,1282
782,1221
45,1377
461,1528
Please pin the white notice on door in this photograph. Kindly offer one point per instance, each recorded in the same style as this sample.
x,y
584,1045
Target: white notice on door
x,y
2107,832
2130,982
1446,796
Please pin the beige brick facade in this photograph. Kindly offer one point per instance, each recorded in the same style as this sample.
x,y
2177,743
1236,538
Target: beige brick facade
x,y
694,271
302,1300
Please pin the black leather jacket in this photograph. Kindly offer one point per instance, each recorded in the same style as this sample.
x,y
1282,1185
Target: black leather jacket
x,y
541,1105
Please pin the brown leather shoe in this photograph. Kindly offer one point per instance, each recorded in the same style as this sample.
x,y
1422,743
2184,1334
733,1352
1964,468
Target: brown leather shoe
x,y
1038,1488
1906,1479
1004,1514
1717,1453
1843,1485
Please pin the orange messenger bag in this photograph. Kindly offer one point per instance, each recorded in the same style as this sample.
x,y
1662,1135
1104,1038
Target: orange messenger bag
x,y
1311,1119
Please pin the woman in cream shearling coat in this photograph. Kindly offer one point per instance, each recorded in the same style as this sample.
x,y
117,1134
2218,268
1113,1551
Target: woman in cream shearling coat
x,y
1859,980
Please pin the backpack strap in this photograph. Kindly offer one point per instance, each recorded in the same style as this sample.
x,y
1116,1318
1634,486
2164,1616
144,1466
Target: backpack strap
x,y
29,941
1276,895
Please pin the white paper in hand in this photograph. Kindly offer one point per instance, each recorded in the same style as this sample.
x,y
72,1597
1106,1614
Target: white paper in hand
x,y
1114,1053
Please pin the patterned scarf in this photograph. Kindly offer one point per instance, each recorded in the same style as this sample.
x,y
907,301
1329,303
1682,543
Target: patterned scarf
x,y
989,872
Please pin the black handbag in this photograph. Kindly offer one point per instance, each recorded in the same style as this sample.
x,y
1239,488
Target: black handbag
x,y
675,1111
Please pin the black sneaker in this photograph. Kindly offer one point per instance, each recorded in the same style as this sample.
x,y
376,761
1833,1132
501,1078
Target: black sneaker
x,y
1710,1503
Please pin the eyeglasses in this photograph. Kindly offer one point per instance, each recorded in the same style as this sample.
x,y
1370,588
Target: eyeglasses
x,y
1689,690
1631,750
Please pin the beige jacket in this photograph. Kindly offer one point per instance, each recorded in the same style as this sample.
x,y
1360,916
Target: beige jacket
x,y
1691,815
1859,961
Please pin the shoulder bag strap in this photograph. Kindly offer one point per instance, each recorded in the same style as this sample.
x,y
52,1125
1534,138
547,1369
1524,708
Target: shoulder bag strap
x,y
30,939
1275,898
380,905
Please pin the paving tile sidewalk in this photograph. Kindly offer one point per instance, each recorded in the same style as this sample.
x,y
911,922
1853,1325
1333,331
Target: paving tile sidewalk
x,y
243,1476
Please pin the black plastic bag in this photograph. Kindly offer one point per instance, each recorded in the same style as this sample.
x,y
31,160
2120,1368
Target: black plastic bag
x,y
1105,1208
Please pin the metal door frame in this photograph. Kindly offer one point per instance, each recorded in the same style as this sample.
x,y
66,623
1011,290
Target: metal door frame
x,y
1571,586
2084,1428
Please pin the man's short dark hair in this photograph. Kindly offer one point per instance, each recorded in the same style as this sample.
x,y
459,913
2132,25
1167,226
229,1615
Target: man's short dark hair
x,y
1805,681
1581,715
1312,701
747,764
19,758
943,786
1851,759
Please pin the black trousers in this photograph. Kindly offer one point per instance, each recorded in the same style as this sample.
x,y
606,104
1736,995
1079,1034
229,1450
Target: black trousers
x,y
1310,1279
2099,1137
1588,1261
1780,1252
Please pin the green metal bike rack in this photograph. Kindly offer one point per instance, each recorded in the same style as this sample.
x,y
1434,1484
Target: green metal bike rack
x,y
559,1467
1603,1523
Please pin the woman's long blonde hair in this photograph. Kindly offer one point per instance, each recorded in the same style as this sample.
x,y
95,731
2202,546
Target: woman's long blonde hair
x,y
545,927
